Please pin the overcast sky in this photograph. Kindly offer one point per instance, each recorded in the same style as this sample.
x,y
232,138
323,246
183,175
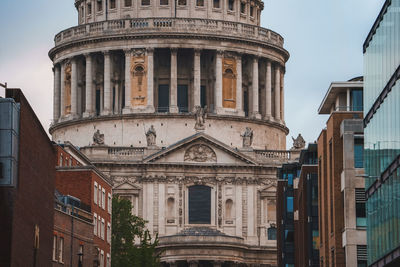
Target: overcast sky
x,y
323,37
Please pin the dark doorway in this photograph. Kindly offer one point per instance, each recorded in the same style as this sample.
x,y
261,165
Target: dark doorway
x,y
199,204
203,96
183,103
98,102
163,98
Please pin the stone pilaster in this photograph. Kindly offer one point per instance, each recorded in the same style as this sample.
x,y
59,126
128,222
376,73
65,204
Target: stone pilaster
x,y
74,88
107,84
239,91
62,91
127,104
255,110
277,93
197,79
173,101
57,93
268,91
282,96
89,87
150,80
218,83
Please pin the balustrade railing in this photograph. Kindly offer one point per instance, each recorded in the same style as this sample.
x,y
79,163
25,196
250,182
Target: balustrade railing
x,y
273,154
172,25
125,151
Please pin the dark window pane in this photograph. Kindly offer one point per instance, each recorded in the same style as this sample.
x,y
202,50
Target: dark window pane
x,y
183,103
357,100
358,153
199,204
289,204
163,98
272,233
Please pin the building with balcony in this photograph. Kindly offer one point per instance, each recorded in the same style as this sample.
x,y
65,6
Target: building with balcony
x,y
341,188
181,104
382,136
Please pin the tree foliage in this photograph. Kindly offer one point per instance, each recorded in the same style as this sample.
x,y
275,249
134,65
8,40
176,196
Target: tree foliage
x,y
126,229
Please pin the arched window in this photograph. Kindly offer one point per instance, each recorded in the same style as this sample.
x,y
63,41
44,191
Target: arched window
x,y
199,204
229,209
170,209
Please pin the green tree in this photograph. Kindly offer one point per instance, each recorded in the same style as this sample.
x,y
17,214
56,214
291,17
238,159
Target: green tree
x,y
125,229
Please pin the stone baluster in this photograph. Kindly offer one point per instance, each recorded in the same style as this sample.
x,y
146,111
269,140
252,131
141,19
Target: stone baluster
x,y
255,110
74,88
150,80
197,79
239,92
218,83
268,91
277,93
173,107
128,89
57,93
107,84
89,87
62,91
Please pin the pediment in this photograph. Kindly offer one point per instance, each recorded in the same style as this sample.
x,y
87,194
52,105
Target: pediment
x,y
200,149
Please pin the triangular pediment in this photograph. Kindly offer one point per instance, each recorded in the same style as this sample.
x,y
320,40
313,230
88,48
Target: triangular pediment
x,y
126,186
200,149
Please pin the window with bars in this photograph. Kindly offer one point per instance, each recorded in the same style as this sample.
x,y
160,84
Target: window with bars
x,y
361,220
361,256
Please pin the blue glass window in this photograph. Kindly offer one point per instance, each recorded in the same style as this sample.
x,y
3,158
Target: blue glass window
x,y
357,100
358,153
289,204
290,179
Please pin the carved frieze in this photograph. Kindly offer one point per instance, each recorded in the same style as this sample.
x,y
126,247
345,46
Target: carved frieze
x,y
200,153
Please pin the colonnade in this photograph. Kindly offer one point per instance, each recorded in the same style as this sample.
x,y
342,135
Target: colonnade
x,y
75,97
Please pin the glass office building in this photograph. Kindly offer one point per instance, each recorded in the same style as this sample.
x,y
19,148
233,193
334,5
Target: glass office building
x,y
382,136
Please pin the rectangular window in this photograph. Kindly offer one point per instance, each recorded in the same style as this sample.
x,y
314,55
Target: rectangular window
x,y
290,179
182,3
89,9
272,233
361,256
61,160
199,2
95,223
128,3
109,203
361,220
243,8
358,153
99,195
231,5
216,4
289,204
54,248
80,255
251,11
163,2
99,5
103,199
103,228
145,2
61,250
357,100
95,193
112,4
109,233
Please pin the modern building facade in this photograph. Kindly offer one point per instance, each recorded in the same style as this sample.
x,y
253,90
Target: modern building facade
x,y
382,136
306,209
181,104
26,185
77,178
341,189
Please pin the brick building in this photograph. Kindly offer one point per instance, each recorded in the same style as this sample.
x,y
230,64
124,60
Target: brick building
x,y
73,234
26,185
76,176
341,190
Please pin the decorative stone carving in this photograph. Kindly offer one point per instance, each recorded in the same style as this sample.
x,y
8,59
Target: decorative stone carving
x,y
151,136
200,153
200,116
299,142
98,138
247,137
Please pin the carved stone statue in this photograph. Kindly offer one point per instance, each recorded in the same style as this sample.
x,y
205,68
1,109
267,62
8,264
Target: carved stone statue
x,y
98,138
200,115
151,136
247,137
299,142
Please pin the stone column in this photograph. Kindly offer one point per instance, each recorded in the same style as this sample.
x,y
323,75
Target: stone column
x,y
89,87
150,80
255,110
239,91
348,99
197,79
218,83
277,93
62,91
74,89
282,96
173,107
127,104
268,91
107,84
57,93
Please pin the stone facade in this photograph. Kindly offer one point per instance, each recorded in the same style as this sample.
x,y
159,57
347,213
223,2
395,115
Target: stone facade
x,y
162,99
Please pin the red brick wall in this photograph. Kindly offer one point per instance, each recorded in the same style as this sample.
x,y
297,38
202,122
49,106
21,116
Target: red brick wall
x,y
31,202
66,158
